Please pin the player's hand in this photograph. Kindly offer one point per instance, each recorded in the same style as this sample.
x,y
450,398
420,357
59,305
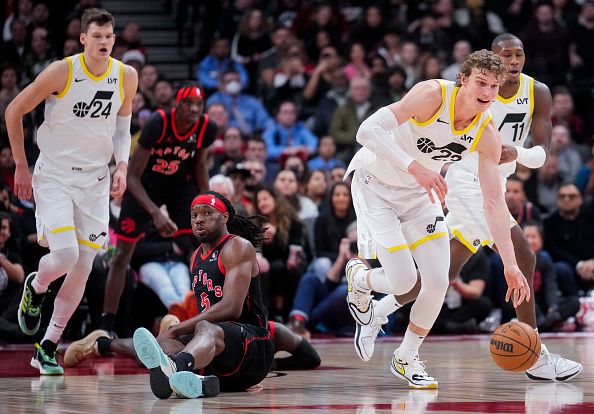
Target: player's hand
x,y
118,184
517,286
164,224
429,180
509,153
22,183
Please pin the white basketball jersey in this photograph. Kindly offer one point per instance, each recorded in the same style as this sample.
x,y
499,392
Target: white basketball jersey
x,y
433,143
80,121
512,117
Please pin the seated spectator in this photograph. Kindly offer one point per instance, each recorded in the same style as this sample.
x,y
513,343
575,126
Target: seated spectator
x,y
218,113
461,51
288,134
289,79
164,95
239,174
295,161
130,38
357,66
146,83
24,13
14,50
325,159
212,68
222,185
580,49
232,151
336,96
555,300
270,60
563,114
465,306
8,91
337,175
12,276
569,237
134,58
347,118
549,180
283,248
322,77
520,208
38,58
584,179
409,62
287,185
569,158
315,186
319,300
256,150
245,111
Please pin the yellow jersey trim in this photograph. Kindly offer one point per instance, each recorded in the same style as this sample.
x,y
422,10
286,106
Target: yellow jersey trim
x,y
452,105
439,111
69,81
427,238
531,94
88,72
479,134
465,242
90,244
508,100
398,247
121,82
62,229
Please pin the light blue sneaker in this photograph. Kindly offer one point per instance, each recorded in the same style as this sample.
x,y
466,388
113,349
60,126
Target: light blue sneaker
x,y
190,385
160,366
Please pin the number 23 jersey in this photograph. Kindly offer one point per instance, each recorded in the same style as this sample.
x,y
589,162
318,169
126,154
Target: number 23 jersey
x,y
80,120
172,154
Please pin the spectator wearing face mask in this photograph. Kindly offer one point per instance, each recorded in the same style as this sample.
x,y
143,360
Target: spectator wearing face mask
x,y
245,111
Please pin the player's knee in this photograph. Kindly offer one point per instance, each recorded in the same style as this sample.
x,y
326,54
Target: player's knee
x,y
402,282
66,258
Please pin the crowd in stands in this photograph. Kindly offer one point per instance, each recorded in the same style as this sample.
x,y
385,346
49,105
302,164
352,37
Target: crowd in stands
x,y
288,82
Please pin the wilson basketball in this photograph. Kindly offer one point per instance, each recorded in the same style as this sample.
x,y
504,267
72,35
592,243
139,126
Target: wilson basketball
x,y
515,346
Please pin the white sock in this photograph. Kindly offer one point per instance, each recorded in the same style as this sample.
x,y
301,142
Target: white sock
x,y
411,343
386,306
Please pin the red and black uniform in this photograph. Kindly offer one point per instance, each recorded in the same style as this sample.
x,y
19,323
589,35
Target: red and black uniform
x,y
249,346
168,176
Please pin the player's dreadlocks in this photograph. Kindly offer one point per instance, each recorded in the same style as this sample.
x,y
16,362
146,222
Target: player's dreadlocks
x,y
247,227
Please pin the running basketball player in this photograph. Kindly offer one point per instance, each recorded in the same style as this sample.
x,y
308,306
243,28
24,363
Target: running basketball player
x,y
404,147
166,168
99,344
523,105
88,103
228,340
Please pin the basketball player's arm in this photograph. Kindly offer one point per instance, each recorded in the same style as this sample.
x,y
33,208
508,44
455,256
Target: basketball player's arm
x,y
540,128
239,258
497,214
121,138
378,132
51,80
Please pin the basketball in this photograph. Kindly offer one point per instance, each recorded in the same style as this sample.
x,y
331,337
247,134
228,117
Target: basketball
x,y
515,346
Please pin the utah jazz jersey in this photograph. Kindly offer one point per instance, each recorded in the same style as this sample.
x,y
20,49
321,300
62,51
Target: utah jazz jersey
x,y
512,117
80,120
208,279
433,143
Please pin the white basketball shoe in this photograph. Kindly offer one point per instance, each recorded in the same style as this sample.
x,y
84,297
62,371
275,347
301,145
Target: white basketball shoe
x,y
412,371
358,298
553,367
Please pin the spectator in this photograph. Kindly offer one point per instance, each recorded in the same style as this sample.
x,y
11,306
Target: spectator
x,y
8,90
563,114
283,248
15,50
232,150
325,160
461,51
164,95
249,43
337,174
569,158
23,13
370,32
585,179
245,111
347,118
257,178
319,300
256,150
147,81
555,300
430,68
38,58
71,47
288,134
357,66
316,184
218,113
213,67
569,237
288,82
7,167
396,85
322,76
580,49
130,38
222,185
295,161
427,33
549,182
322,19
409,61
465,306
287,185
134,58
239,174
270,59
333,98
520,208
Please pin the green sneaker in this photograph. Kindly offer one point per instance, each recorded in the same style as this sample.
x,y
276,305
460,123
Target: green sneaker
x,y
46,361
29,313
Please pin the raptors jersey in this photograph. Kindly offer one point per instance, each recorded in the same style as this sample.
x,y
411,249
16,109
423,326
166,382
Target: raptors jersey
x,y
433,143
208,280
80,120
512,117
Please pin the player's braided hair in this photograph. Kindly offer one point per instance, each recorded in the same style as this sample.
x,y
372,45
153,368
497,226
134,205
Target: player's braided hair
x,y
249,228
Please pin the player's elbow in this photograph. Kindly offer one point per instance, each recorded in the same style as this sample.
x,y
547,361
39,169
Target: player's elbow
x,y
12,112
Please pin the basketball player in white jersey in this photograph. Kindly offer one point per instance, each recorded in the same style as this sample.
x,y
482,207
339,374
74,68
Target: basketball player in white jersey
x,y
523,105
396,172
88,104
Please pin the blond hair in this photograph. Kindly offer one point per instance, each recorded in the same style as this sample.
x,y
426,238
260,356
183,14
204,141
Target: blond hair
x,y
486,62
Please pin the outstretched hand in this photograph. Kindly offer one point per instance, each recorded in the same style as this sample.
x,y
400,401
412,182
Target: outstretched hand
x,y
517,286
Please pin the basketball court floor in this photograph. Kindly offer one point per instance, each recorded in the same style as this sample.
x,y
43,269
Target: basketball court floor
x,y
469,382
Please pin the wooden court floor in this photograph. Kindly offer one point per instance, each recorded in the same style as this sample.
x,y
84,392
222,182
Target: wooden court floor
x,y
468,383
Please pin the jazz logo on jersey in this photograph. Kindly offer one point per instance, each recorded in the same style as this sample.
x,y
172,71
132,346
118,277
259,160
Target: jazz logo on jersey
x,y
99,106
450,152
431,227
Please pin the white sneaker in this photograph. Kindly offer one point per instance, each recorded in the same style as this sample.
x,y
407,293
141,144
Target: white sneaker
x,y
365,336
412,371
358,298
553,367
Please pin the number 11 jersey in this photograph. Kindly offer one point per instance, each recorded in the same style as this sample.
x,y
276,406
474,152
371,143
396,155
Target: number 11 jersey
x,y
80,120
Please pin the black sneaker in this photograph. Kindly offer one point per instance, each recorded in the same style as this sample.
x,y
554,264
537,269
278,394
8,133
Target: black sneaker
x,y
44,359
29,313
